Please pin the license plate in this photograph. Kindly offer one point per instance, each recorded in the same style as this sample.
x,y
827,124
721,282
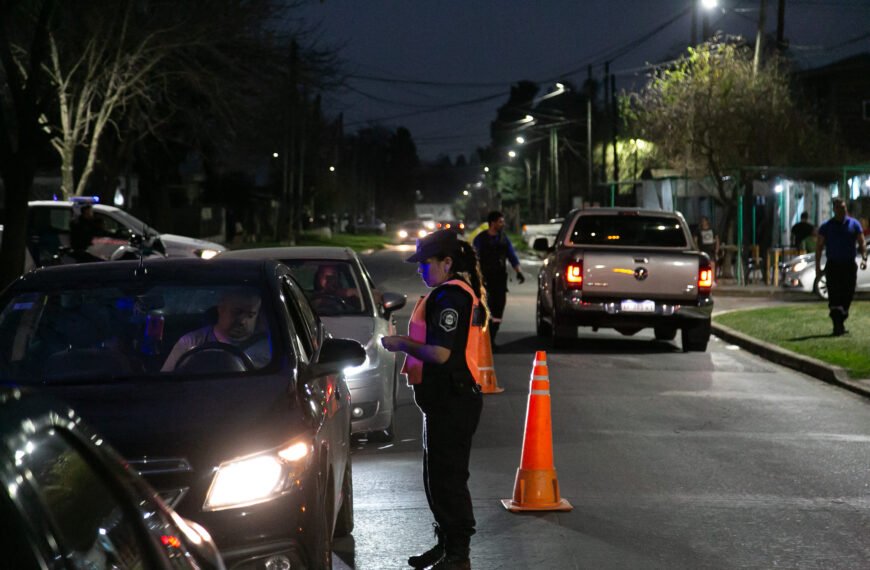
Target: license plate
x,y
638,307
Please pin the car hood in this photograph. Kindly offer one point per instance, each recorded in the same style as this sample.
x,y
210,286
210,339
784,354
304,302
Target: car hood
x,y
358,328
204,421
177,243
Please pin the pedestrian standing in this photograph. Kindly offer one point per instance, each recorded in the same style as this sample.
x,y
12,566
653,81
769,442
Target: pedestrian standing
x,y
801,231
441,364
837,238
707,241
494,249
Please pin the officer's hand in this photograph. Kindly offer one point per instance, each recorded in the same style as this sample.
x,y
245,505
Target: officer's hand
x,y
392,343
520,277
863,264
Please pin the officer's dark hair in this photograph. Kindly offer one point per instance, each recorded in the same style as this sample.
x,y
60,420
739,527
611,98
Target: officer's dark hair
x,y
467,267
805,215
493,216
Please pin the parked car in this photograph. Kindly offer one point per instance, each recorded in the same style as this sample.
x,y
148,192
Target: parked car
x,y
625,269
370,226
344,296
67,496
48,226
412,230
531,232
248,437
799,273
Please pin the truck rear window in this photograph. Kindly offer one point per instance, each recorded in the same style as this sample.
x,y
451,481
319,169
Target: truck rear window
x,y
647,231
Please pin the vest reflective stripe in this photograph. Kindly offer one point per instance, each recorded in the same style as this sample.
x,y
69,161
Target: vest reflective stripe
x,y
413,367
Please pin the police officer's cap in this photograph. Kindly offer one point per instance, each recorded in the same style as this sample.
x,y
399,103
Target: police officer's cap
x,y
442,242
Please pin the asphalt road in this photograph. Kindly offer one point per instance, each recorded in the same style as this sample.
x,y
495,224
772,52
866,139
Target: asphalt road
x,y
671,460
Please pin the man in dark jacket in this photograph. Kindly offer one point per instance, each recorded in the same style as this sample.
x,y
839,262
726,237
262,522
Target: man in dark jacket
x,y
494,248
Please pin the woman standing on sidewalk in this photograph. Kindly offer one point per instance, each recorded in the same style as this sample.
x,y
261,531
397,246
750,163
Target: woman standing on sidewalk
x,y
441,348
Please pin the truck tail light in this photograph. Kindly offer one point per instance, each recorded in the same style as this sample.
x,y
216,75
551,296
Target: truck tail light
x,y
705,277
574,275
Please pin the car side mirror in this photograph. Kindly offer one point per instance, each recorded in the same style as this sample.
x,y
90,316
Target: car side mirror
x,y
336,354
393,302
541,244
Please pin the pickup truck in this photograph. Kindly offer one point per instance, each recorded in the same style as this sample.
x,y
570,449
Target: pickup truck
x,y
625,269
532,232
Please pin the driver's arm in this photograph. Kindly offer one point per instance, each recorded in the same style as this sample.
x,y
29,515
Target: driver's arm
x,y
184,344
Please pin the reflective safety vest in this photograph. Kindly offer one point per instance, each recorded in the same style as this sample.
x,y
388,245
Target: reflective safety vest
x,y
413,367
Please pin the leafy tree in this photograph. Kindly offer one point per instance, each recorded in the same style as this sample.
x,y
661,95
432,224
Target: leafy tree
x,y
711,113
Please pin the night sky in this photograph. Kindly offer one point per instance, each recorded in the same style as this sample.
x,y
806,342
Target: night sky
x,y
475,49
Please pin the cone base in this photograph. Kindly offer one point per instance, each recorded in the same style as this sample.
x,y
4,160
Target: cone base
x,y
514,507
487,390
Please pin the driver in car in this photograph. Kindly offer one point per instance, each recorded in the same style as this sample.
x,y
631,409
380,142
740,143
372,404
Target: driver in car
x,y
237,313
327,281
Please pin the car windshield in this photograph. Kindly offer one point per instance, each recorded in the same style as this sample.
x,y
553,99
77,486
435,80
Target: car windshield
x,y
333,287
628,230
109,332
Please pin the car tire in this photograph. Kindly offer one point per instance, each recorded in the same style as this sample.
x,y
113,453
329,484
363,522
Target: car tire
x,y
563,334
820,288
344,522
319,545
695,336
542,327
665,333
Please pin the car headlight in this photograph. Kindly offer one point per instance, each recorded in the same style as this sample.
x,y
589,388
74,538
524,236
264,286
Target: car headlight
x,y
800,266
403,234
206,253
257,478
422,233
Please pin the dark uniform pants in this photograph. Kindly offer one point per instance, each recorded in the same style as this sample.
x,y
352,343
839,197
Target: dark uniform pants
x,y
447,437
840,276
496,299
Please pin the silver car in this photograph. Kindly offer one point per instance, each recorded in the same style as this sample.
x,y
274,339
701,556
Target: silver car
x,y
344,296
799,274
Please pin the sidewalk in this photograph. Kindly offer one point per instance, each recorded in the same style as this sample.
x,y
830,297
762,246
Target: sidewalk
x,y
762,295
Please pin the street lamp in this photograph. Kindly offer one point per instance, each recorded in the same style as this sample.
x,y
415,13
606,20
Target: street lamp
x,y
521,140
512,153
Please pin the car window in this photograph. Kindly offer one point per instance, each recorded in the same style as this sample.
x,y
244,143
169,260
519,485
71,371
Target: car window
x,y
45,220
302,317
332,286
628,230
93,528
111,226
105,333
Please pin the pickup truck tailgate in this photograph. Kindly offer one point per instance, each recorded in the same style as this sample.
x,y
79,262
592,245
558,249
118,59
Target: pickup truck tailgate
x,y
640,275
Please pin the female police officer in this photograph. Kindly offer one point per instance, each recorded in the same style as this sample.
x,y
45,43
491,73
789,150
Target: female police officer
x,y
441,365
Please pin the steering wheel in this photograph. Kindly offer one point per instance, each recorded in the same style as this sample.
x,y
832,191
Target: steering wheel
x,y
233,350
326,302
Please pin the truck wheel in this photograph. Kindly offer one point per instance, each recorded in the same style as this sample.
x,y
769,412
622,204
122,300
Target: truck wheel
x,y
695,336
563,334
666,333
542,327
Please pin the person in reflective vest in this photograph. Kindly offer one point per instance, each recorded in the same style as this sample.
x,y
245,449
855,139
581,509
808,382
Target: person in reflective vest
x,y
441,364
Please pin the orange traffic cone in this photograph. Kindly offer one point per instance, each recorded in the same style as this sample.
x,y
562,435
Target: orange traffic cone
x,y
488,381
537,487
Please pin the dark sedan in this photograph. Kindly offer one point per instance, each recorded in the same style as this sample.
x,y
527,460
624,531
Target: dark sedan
x,y
215,380
66,495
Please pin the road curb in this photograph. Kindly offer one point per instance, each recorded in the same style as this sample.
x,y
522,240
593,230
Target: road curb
x,y
811,366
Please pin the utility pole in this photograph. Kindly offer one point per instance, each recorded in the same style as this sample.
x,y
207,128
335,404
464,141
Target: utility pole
x,y
615,118
759,39
589,164
606,134
780,26
694,35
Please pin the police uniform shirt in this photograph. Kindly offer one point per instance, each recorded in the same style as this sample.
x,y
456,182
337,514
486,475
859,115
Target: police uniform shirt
x,y
840,239
448,313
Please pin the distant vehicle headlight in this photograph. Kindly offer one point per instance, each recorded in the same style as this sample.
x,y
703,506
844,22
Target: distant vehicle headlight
x,y
206,253
422,233
429,224
800,266
403,234
257,478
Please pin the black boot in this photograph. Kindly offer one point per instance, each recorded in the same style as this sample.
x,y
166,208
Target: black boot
x,y
432,555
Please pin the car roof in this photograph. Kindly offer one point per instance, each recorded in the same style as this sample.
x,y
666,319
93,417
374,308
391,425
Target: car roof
x,y
63,204
615,211
300,252
177,269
